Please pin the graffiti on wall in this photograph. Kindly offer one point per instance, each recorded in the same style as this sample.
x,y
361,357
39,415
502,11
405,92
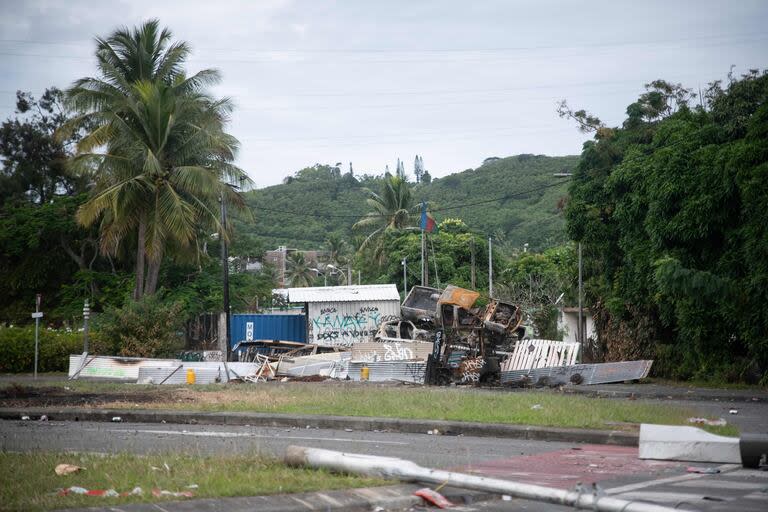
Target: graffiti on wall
x,y
390,351
332,327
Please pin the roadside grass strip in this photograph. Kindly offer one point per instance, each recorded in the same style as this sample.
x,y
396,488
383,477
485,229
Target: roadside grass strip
x,y
28,481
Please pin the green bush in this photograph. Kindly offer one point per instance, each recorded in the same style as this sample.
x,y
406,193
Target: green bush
x,y
147,328
17,349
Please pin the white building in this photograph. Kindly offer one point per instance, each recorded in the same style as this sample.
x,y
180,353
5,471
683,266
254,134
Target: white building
x,y
343,315
568,321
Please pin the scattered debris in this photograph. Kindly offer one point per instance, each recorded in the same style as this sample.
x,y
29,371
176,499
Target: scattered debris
x,y
25,418
44,417
703,471
67,469
111,493
536,407
157,493
720,422
733,411
117,419
433,497
348,430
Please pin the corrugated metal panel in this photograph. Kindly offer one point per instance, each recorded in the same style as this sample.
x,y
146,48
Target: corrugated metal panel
x,y
346,323
541,354
114,368
407,371
391,351
333,364
366,292
598,373
268,327
156,375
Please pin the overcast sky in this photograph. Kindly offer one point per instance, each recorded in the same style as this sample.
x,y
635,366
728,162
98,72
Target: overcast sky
x,y
368,82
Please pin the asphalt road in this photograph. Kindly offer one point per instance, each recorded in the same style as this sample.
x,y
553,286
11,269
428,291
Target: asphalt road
x,y
616,469
144,438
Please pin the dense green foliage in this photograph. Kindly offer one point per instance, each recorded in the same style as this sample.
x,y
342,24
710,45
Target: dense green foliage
x,y
672,209
17,349
148,327
320,200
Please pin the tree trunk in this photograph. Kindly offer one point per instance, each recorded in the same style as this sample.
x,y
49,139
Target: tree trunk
x,y
153,271
138,291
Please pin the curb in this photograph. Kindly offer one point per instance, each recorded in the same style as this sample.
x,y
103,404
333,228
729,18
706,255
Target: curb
x,y
395,497
474,429
667,395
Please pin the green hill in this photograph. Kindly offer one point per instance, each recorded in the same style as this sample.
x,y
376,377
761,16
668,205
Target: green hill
x,y
321,200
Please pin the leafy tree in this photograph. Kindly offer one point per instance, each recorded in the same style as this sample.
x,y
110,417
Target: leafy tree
x,y
159,179
33,159
392,210
671,212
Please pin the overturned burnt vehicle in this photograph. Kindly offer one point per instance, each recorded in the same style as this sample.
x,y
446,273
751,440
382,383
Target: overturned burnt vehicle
x,y
488,344
469,340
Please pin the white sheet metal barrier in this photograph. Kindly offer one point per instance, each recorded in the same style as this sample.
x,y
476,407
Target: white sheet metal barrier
x,y
530,354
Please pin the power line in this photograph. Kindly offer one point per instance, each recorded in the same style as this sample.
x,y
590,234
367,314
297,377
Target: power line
x,y
500,49
452,59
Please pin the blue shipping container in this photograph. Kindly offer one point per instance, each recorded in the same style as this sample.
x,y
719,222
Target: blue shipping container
x,y
268,327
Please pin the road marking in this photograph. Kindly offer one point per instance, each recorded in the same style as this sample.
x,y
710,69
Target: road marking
x,y
668,497
672,479
723,484
244,434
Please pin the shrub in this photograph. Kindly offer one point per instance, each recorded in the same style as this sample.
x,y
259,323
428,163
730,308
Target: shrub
x,y
17,349
146,328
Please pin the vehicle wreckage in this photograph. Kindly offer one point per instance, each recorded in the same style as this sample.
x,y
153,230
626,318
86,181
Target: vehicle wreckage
x,y
488,344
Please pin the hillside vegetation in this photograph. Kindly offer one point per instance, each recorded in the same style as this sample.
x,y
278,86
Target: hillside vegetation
x,y
320,200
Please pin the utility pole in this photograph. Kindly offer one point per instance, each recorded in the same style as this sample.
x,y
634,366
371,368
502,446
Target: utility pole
x,y
472,253
490,267
349,275
580,330
424,269
405,277
225,274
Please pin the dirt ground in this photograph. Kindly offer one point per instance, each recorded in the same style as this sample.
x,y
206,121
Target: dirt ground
x,y
34,396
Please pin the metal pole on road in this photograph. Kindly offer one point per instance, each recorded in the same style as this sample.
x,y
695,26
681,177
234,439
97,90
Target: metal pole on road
x,y
408,471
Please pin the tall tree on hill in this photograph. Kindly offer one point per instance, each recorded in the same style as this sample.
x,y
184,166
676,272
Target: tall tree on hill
x,y
166,155
298,273
393,209
418,168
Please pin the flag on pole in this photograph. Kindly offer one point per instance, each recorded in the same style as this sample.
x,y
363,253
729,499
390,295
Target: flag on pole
x,y
428,223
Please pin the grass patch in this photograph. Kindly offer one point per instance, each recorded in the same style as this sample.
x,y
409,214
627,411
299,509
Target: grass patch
x,y
546,408
28,481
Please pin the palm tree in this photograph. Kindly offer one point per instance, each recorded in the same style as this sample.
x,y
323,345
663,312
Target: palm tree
x,y
157,142
298,273
393,209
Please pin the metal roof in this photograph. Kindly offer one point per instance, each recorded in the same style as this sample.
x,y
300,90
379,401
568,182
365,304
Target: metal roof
x,y
360,293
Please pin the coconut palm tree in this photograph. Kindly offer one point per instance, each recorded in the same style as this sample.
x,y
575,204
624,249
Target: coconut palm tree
x,y
298,273
393,209
156,140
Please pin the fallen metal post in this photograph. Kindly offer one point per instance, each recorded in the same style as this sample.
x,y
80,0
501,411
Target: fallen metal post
x,y
409,471
84,361
172,373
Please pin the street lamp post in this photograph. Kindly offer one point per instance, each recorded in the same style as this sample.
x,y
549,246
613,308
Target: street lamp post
x,y
579,328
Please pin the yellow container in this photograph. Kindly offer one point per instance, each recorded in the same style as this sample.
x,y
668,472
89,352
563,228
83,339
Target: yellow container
x,y
190,376
365,372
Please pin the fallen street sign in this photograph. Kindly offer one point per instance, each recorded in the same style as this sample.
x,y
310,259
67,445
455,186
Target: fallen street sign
x,y
39,314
